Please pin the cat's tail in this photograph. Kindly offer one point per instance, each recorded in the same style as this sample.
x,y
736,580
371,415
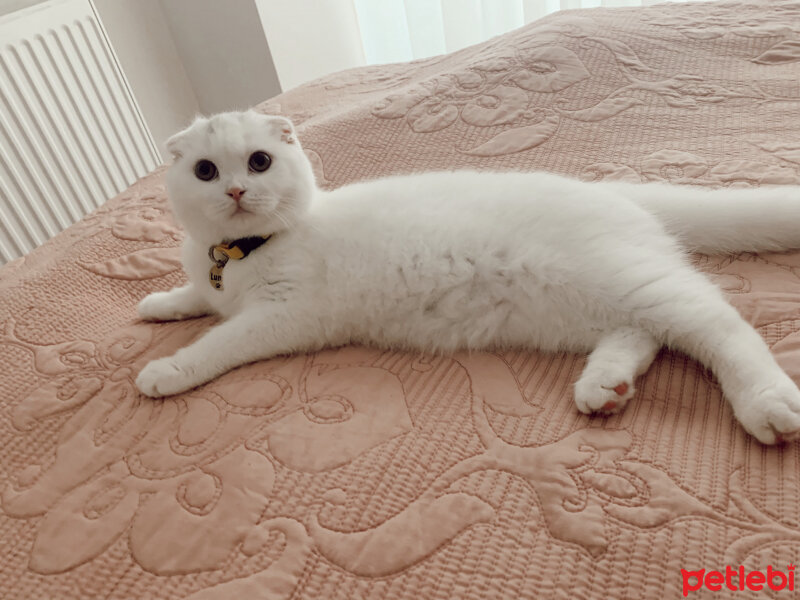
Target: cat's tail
x,y
724,220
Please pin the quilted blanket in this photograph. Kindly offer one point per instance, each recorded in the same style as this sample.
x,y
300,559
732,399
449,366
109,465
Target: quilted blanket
x,y
359,473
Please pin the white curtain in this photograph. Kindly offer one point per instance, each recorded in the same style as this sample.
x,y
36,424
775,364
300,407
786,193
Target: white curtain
x,y
402,30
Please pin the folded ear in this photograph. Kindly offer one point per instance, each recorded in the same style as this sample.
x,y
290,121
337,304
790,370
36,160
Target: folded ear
x,y
175,144
281,127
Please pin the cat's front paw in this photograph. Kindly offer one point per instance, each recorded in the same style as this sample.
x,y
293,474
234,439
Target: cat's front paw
x,y
164,377
157,307
772,415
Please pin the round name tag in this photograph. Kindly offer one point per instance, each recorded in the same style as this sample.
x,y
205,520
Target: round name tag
x,y
224,253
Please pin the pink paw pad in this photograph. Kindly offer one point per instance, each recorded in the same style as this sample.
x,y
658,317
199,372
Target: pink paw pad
x,y
621,389
610,405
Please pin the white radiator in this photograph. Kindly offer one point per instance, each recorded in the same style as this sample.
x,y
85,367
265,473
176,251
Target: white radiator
x,y
71,135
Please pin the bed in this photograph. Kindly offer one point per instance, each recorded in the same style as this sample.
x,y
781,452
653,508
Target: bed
x,y
359,473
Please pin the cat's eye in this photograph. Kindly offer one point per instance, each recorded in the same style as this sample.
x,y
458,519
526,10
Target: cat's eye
x,y
205,170
259,161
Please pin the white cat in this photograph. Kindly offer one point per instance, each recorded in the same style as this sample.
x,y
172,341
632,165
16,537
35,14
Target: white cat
x,y
439,262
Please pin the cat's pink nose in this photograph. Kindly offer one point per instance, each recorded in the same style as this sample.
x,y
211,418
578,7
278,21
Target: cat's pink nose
x,y
236,193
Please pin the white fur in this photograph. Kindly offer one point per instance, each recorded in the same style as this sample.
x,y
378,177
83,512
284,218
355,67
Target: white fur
x,y
445,261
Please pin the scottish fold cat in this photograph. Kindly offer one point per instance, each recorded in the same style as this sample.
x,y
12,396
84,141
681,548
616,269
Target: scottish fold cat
x,y
440,262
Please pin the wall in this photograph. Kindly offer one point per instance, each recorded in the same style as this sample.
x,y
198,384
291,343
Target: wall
x,y
9,6
224,51
143,43
184,57
311,38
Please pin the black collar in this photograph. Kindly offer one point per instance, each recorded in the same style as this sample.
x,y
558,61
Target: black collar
x,y
236,249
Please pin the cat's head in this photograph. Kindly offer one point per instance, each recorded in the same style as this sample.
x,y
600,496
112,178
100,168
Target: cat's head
x,y
238,174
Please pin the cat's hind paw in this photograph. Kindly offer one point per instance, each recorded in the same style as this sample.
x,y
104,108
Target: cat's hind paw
x,y
772,415
600,391
164,377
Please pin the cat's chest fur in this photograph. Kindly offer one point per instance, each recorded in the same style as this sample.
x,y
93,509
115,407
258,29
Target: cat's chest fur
x,y
262,275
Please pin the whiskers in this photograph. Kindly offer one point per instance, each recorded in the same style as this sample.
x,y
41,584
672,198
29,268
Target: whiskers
x,y
261,206
219,210
272,213
277,210
281,218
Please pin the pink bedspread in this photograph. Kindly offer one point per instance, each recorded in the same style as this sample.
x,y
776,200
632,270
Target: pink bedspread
x,y
357,473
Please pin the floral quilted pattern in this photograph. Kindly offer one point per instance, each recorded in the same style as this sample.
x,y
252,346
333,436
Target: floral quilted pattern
x,y
357,473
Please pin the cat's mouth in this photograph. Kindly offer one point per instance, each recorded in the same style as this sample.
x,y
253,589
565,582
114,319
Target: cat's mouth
x,y
241,211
